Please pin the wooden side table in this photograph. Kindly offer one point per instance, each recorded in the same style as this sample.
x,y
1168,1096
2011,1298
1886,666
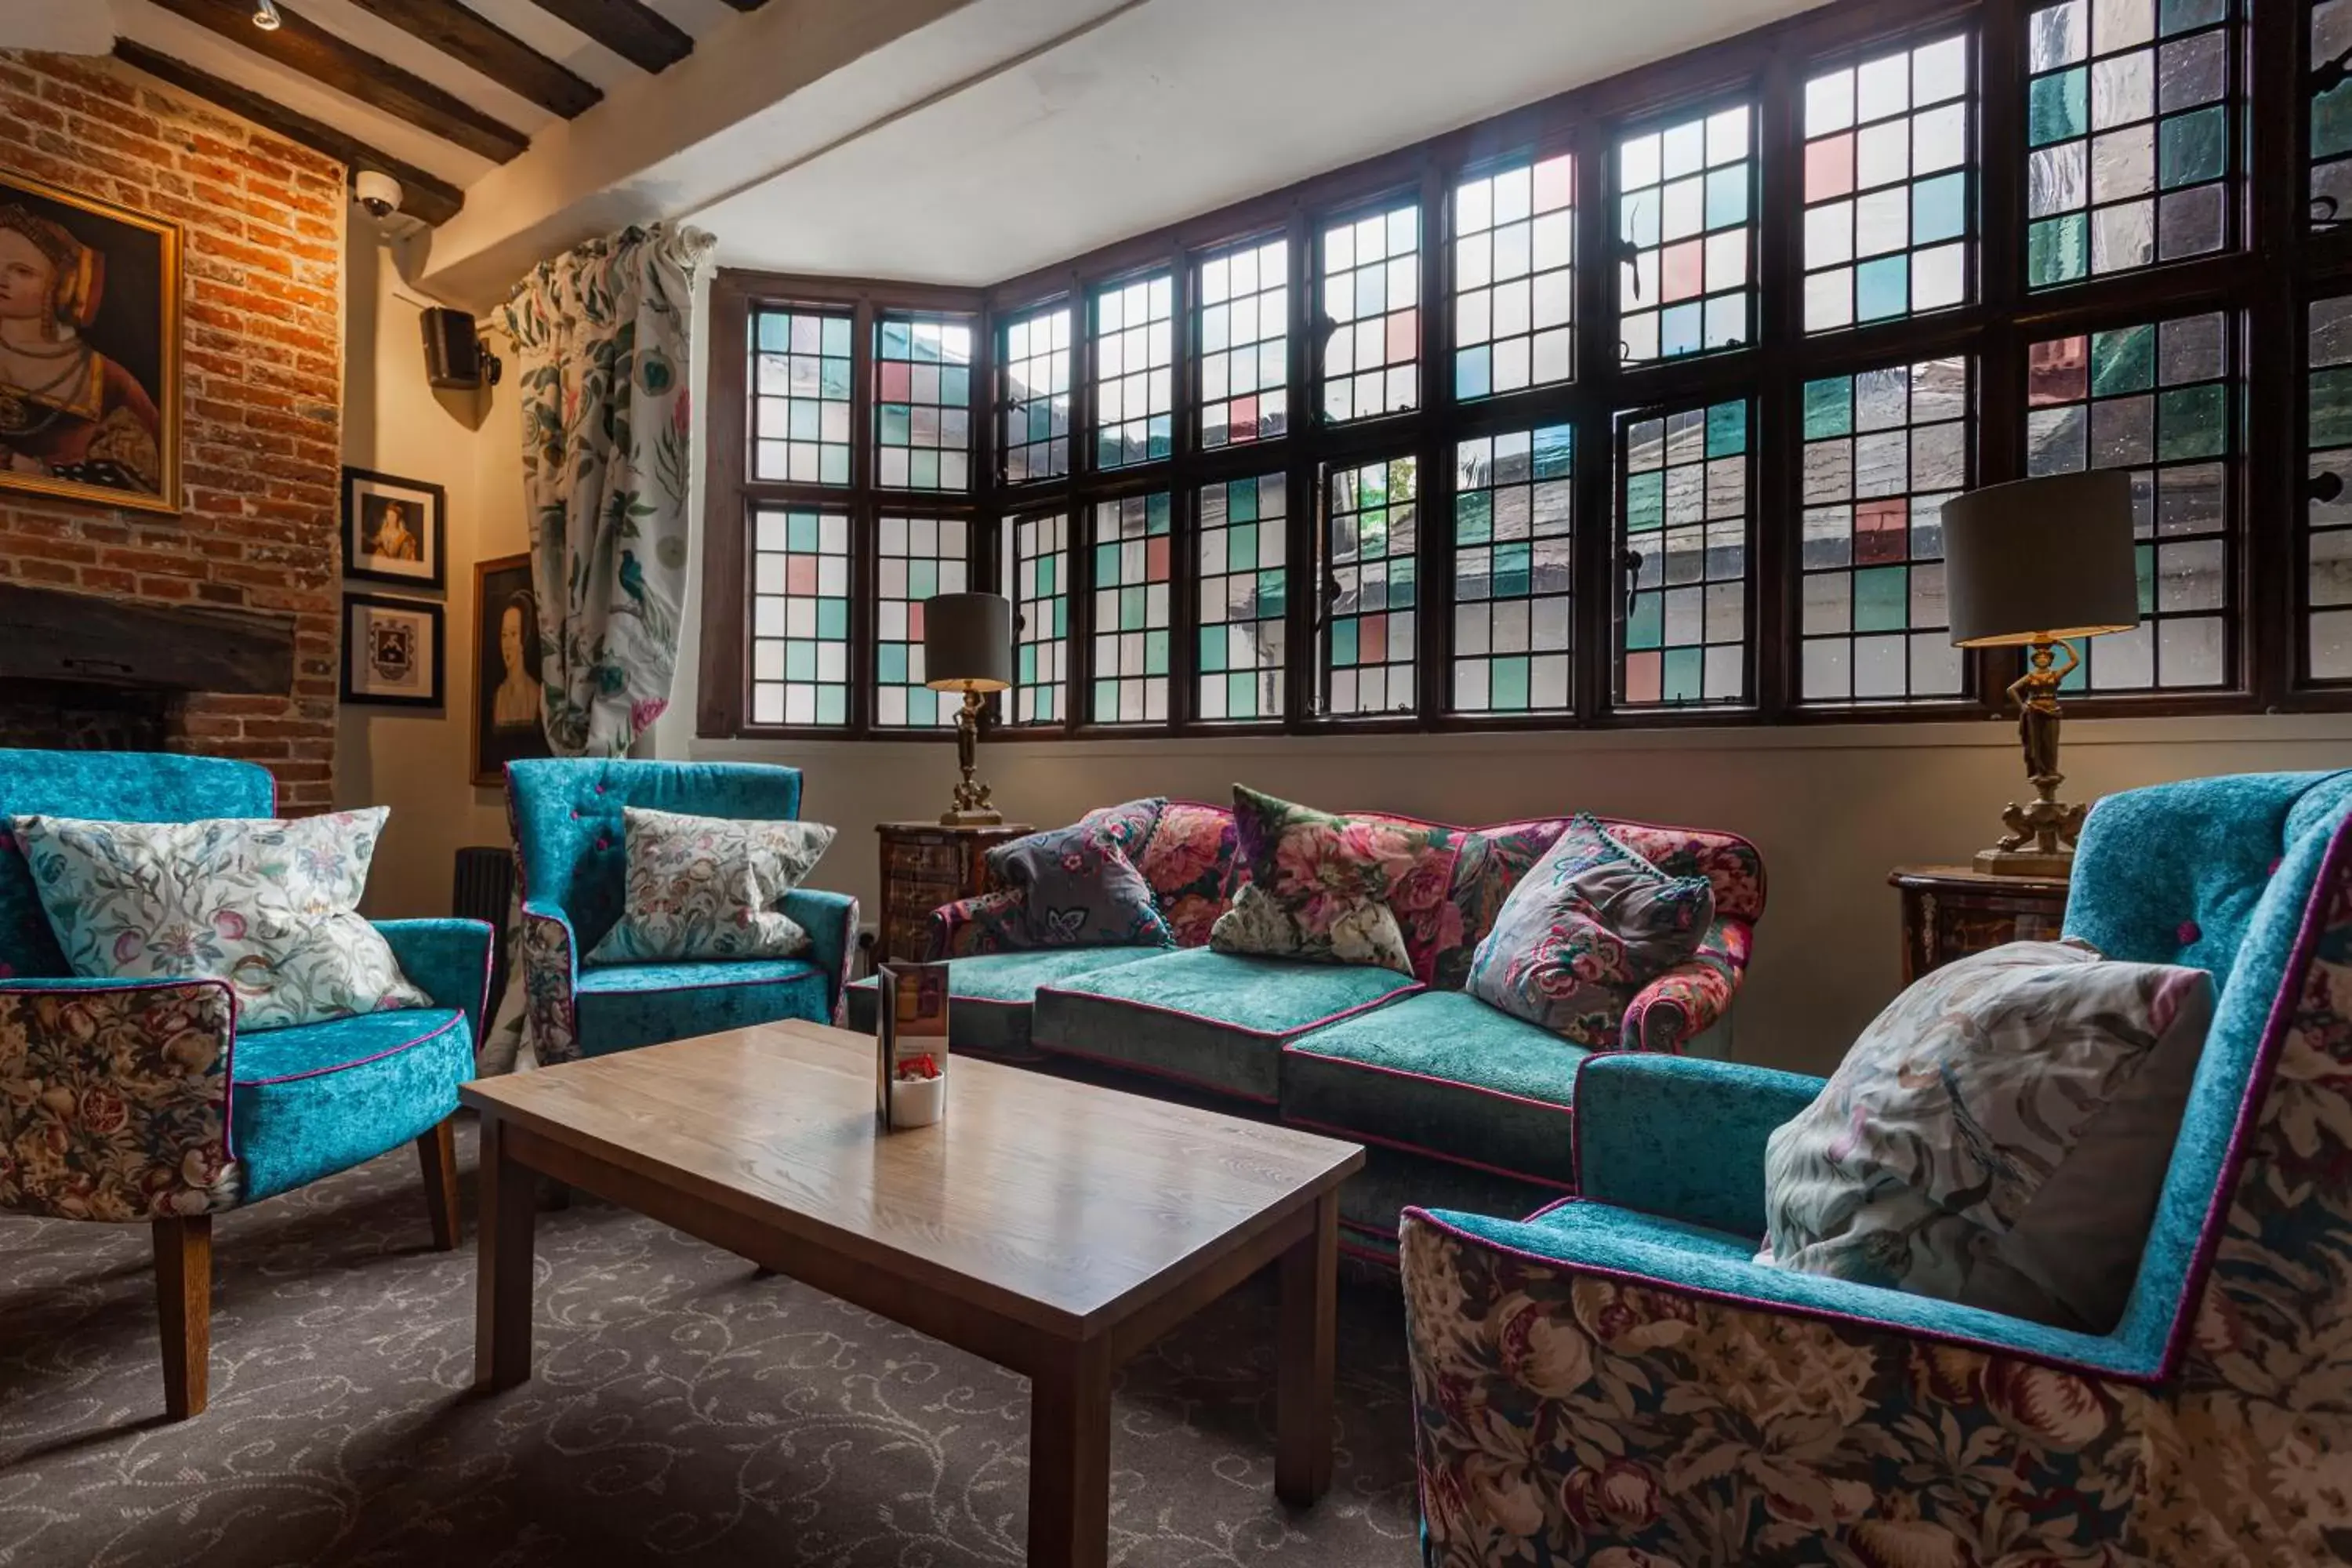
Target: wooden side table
x,y
924,864
1951,911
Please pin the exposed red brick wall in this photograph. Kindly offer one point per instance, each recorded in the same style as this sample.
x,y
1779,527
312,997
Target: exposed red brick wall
x,y
261,388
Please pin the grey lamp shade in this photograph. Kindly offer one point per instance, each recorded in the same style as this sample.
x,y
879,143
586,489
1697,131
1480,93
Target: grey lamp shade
x,y
968,642
2036,560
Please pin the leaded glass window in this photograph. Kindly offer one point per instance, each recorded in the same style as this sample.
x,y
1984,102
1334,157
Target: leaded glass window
x,y
1036,573
1133,549
1685,197
922,403
1370,604
1036,396
1243,314
799,385
2331,112
800,617
1887,186
1684,503
2154,399
1513,504
1135,378
1243,597
1884,450
1371,300
2328,541
1513,285
914,558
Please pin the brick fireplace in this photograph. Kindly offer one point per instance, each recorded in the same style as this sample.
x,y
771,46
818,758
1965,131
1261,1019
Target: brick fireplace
x,y
262,386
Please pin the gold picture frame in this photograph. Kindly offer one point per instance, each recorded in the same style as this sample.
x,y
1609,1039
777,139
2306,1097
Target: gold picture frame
x,y
103,283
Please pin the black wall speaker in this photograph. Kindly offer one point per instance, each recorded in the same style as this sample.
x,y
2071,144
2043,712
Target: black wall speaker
x,y
454,356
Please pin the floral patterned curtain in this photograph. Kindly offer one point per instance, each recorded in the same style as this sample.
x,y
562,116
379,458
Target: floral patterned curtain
x,y
603,337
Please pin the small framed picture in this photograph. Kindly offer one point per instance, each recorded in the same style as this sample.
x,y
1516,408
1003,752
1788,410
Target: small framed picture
x,y
392,651
393,530
508,716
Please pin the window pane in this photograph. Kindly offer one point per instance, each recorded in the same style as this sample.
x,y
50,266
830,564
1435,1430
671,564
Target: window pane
x,y
1244,595
1132,545
2327,589
1887,203
922,405
1371,529
1512,508
914,558
1513,243
1684,513
1883,452
2331,116
2129,145
1037,572
1372,292
1686,240
1035,442
800,396
2157,400
1135,384
1242,321
800,617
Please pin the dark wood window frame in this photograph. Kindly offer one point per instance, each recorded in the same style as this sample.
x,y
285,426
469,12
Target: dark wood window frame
x,y
2263,285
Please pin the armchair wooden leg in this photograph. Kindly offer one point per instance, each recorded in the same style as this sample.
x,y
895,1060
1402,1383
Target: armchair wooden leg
x,y
183,1299
436,1154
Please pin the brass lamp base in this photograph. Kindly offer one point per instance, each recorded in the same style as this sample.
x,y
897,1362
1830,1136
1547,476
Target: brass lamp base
x,y
985,816
2042,833
972,808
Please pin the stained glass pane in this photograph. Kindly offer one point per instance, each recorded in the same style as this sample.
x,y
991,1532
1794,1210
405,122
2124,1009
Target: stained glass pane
x,y
1685,200
800,396
1035,440
914,558
1372,291
2129,145
1244,324
1372,528
1887,202
800,617
922,403
1132,548
1514,286
2157,400
1683,516
1135,381
1512,510
1036,568
1243,524
2328,541
2331,113
1884,450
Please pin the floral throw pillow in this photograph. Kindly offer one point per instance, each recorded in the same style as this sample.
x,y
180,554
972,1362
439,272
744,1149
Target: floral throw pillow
x,y
1320,886
1999,1136
271,907
708,888
1080,889
1589,924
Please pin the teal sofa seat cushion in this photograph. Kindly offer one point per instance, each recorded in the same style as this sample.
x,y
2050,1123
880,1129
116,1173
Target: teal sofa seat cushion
x,y
307,1101
990,994
1442,1074
1216,1019
624,1005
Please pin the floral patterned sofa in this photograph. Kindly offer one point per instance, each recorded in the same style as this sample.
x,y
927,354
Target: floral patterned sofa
x,y
1463,1103
1615,1382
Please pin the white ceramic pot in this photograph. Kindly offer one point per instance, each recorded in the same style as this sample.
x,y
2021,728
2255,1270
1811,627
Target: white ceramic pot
x,y
918,1101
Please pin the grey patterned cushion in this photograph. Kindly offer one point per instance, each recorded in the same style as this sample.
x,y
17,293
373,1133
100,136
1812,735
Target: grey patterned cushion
x,y
1081,889
708,888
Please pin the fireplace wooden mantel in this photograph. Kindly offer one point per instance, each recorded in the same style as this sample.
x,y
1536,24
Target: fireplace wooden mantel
x,y
51,636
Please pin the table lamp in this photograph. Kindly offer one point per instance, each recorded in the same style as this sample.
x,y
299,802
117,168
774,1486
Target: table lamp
x,y
2030,565
968,647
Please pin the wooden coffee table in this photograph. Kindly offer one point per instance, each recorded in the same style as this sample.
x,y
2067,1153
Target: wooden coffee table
x,y
1055,1228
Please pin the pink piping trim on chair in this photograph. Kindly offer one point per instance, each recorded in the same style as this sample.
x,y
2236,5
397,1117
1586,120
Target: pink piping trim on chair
x,y
1312,1024
1356,1132
228,1057
1168,1073
340,1067
1555,1204
1503,1094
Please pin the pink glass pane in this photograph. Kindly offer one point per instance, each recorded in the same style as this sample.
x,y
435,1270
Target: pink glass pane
x,y
1685,270
1829,167
2057,371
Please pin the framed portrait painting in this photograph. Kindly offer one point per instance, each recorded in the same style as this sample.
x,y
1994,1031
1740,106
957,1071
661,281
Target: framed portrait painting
x,y
89,348
393,529
392,651
509,725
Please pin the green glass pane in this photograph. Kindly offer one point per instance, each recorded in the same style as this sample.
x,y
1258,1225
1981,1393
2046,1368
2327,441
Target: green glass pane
x,y
2180,16
1882,288
1044,568
1213,649
800,661
1646,626
833,379
1241,696
890,663
1241,547
1726,429
1726,197
2059,106
2122,360
1685,669
832,705
1514,567
836,336
1240,501
1130,609
1881,599
1107,451
922,706
1645,502
1270,594
800,531
1829,408
1508,688
1156,513
1473,517
2055,251
1555,452
1028,664
1343,641
1372,531
775,332
2189,422
1471,372
832,466
2191,148
2331,122
1401,584
833,619
1939,209
1061,616
898,340
895,420
922,579
1106,698
2145,556
955,386
1106,563
1155,653
2331,408
1371,485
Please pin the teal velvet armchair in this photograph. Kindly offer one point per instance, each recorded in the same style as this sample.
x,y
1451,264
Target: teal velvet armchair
x,y
567,819
1613,1381
144,1100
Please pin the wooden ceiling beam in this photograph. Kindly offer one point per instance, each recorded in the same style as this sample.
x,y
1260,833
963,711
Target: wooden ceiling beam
x,y
638,34
424,195
481,45
300,44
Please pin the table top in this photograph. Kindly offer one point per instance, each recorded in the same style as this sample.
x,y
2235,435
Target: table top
x,y
1058,1204
1990,882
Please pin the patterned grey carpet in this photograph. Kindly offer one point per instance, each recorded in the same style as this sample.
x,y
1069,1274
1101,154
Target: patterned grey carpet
x,y
684,1411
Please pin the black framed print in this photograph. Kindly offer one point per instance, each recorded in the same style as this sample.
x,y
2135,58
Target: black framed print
x,y
393,530
509,725
392,651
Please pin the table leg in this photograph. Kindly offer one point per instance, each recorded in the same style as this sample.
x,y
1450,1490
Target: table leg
x,y
1069,1460
503,1256
1309,1354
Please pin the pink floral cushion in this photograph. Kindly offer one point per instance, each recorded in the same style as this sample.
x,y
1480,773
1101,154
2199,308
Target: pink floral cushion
x,y
1337,889
1189,861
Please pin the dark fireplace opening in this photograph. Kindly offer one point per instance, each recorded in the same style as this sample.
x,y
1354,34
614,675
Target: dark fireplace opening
x,y
74,716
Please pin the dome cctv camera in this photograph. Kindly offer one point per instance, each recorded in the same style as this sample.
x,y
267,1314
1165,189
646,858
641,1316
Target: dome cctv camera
x,y
380,193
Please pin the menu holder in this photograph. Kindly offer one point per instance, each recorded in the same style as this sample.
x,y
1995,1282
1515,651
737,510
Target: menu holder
x,y
911,1055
